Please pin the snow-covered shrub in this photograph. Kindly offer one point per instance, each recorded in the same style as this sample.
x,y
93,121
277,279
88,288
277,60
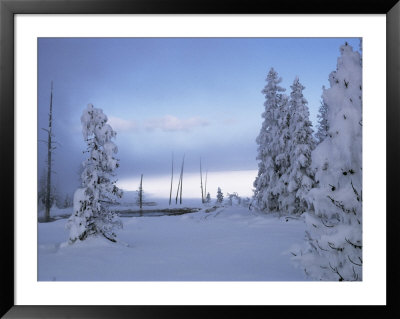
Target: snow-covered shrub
x,y
234,199
220,196
67,201
270,143
246,201
91,215
334,219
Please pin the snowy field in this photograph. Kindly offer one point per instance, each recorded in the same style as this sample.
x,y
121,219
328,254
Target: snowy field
x,y
227,244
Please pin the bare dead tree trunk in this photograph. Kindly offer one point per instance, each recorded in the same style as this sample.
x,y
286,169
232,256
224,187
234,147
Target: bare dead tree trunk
x,y
49,153
201,183
177,192
183,163
205,185
172,177
141,192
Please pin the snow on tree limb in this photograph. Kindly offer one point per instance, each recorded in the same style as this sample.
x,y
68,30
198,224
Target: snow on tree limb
x,y
334,217
91,215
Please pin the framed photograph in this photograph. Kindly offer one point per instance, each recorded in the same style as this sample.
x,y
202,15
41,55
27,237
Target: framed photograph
x,y
221,170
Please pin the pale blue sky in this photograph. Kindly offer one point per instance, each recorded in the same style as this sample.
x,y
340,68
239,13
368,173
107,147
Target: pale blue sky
x,y
198,96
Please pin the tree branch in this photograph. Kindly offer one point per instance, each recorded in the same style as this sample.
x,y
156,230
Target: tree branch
x,y
355,192
320,246
336,272
329,226
333,247
341,206
354,245
353,261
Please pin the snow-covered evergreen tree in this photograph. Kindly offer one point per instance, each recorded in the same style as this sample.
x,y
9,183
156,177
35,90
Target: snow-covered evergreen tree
x,y
282,159
140,194
208,198
269,145
322,127
220,196
334,250
297,176
91,215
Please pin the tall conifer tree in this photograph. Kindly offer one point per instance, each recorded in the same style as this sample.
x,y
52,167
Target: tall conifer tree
x,y
91,214
297,175
269,145
334,249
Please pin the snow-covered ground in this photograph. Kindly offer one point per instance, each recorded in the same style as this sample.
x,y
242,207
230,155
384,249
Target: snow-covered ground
x,y
56,213
227,244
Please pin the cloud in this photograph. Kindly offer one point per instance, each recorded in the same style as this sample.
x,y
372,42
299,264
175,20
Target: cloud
x,y
229,121
122,125
170,123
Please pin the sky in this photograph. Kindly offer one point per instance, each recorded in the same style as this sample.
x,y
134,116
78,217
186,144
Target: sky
x,y
169,97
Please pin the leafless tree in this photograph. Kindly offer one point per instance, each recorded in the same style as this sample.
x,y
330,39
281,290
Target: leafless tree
x,y
172,178
201,183
179,191
140,192
50,149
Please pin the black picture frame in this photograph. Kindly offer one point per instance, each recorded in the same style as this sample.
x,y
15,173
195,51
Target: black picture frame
x,y
8,8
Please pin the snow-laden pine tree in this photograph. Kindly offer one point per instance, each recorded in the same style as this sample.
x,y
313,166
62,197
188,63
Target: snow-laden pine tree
x,y
322,127
91,215
297,176
208,198
220,196
269,146
139,193
282,159
334,250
